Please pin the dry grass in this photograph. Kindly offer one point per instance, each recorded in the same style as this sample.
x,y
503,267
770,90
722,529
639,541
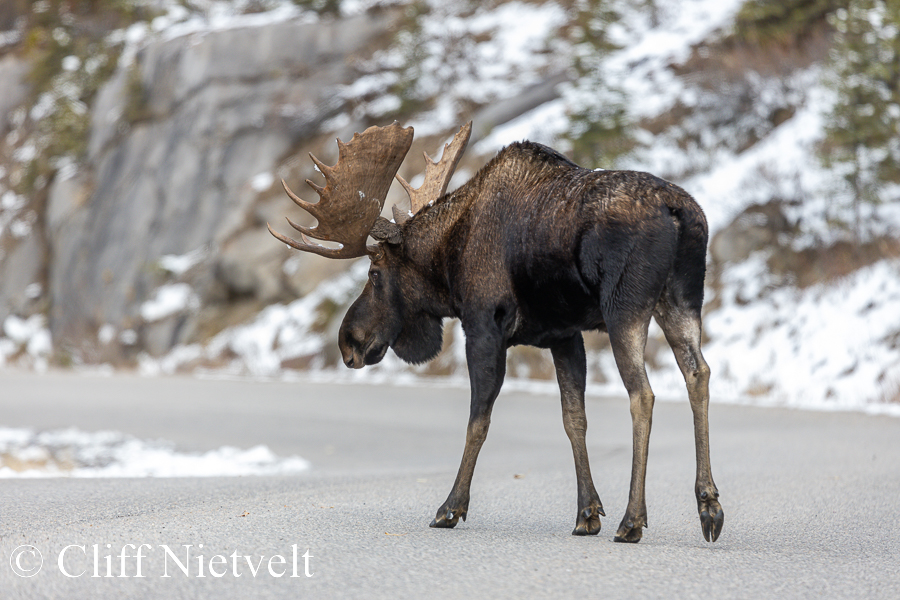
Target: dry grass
x,y
891,391
20,465
815,265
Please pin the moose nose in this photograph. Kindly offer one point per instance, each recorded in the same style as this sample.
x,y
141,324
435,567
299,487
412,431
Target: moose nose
x,y
353,360
352,341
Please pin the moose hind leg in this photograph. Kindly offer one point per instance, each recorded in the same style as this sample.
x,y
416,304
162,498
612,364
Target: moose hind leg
x,y
571,371
682,329
487,368
628,340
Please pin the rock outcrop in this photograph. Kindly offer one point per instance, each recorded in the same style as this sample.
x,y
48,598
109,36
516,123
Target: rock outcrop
x,y
182,149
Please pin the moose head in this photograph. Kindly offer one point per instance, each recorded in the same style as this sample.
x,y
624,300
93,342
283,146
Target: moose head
x,y
397,307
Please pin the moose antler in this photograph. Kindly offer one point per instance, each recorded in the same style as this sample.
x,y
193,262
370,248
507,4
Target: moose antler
x,y
354,194
437,175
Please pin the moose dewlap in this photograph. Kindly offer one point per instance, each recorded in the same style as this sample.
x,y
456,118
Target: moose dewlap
x,y
532,250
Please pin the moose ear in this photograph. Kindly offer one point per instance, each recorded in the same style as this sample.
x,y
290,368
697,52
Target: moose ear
x,y
386,231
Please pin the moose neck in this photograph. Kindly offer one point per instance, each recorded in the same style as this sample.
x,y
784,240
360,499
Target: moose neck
x,y
429,246
523,164
436,236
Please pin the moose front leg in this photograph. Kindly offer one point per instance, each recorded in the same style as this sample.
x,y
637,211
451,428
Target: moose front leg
x,y
571,372
486,359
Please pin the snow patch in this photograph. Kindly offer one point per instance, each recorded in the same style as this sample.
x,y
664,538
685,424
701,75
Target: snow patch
x,y
542,124
179,264
75,453
278,333
27,340
464,56
834,345
262,181
168,300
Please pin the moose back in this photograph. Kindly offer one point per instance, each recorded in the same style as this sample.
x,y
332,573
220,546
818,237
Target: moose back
x,y
532,250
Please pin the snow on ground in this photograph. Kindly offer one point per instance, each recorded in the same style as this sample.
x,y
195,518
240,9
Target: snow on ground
x,y
783,165
75,453
834,345
544,125
641,67
490,54
649,48
463,53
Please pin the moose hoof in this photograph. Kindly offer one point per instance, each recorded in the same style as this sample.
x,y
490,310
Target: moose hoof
x,y
712,525
447,519
588,521
629,532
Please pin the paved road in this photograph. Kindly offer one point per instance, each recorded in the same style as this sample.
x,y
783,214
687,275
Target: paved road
x,y
811,499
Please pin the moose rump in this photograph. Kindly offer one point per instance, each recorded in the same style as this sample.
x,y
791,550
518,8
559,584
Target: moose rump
x,y
591,260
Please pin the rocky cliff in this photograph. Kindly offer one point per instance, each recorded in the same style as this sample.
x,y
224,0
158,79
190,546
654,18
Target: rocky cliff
x,y
184,144
220,112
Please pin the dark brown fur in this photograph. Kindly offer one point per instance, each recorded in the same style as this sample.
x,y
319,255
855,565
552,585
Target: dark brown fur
x,y
534,250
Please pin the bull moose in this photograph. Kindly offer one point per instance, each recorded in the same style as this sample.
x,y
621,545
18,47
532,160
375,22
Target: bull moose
x,y
532,250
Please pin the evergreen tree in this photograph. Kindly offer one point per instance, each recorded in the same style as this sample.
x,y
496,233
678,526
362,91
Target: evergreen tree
x,y
600,131
863,133
781,21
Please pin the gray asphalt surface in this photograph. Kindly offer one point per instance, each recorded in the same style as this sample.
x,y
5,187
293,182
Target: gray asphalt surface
x,y
811,499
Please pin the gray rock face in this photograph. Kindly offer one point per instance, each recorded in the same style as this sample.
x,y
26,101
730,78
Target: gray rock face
x,y
20,273
756,228
13,72
216,110
250,265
